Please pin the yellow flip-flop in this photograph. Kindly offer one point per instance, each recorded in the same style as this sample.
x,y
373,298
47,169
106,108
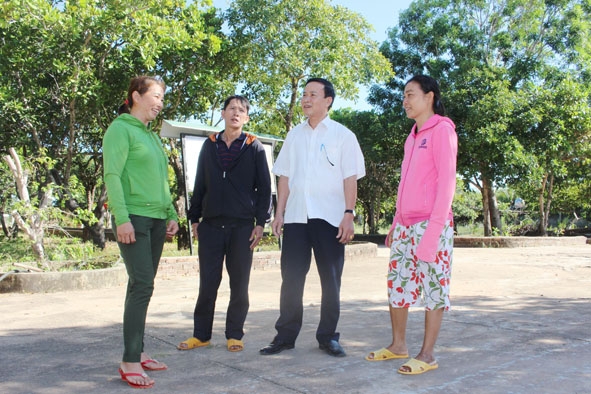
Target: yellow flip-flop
x,y
384,354
235,345
192,343
417,367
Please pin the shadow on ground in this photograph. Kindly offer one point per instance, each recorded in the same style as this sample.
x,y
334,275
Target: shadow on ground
x,y
487,345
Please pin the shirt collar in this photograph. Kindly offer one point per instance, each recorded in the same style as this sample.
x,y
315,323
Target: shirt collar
x,y
241,137
324,122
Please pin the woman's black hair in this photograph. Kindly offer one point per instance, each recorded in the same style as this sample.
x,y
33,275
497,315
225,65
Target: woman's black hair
x,y
141,85
429,84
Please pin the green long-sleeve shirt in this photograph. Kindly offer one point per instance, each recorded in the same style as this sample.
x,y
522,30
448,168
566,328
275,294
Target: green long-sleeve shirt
x,y
136,171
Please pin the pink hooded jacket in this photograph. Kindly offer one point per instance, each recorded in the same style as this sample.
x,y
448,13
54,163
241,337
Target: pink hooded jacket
x,y
428,181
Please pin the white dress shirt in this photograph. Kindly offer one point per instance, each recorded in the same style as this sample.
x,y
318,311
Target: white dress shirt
x,y
317,161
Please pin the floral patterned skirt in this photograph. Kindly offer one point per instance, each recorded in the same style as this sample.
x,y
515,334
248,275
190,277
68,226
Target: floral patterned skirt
x,y
411,280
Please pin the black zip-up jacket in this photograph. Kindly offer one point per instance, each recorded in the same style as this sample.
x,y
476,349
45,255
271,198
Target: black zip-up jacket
x,y
240,194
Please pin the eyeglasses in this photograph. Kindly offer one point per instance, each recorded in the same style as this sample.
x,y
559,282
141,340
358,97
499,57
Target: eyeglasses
x,y
323,148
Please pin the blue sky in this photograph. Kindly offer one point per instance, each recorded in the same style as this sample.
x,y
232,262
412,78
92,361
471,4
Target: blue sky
x,y
382,14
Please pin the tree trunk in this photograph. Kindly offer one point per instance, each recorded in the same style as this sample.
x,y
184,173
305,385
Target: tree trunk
x,y
486,208
549,202
542,226
495,215
292,104
3,222
96,231
39,251
371,218
181,190
34,229
544,206
182,236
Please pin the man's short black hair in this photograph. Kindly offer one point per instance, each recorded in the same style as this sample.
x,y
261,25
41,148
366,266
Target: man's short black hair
x,y
241,99
328,88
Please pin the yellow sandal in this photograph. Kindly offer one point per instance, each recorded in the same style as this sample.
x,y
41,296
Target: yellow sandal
x,y
192,343
384,354
235,345
416,367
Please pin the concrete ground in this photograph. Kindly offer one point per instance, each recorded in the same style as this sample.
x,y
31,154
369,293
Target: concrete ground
x,y
520,323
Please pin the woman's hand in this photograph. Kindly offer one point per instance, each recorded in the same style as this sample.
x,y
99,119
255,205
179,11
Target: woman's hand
x,y
172,227
389,237
126,233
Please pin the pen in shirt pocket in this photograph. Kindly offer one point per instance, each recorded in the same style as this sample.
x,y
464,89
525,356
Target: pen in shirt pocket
x,y
323,148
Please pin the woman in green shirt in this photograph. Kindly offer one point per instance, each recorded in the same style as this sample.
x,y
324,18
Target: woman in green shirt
x,y
136,176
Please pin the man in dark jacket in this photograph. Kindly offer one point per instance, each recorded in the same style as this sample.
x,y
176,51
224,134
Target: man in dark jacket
x,y
229,208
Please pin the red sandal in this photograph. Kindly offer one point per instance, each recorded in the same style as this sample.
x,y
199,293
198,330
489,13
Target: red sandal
x,y
134,385
147,367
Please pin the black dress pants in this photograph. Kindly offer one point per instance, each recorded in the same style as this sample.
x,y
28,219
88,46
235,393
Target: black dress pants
x,y
299,240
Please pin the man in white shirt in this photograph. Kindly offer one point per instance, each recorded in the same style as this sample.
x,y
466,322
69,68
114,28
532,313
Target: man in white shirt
x,y
318,168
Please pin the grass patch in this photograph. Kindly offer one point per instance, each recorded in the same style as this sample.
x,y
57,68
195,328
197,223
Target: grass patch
x,y
72,254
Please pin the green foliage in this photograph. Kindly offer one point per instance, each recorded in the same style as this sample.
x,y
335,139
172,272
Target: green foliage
x,y
382,142
514,77
466,205
573,195
272,122
63,249
7,189
62,253
71,254
561,227
65,67
269,242
14,250
282,43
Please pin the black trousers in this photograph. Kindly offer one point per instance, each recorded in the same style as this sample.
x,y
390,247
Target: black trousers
x,y
215,242
299,240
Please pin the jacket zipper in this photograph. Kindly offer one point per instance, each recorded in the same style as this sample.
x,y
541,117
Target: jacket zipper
x,y
405,177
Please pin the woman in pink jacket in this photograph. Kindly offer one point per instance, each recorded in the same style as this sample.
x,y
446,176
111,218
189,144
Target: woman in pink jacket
x,y
421,236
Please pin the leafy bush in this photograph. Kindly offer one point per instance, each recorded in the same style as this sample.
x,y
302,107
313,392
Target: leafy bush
x,y
63,254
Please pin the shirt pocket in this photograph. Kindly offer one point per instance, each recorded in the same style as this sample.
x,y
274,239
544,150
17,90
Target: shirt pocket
x,y
329,156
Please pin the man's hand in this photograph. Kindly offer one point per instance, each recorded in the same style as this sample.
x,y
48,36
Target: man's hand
x,y
346,229
195,233
277,226
256,236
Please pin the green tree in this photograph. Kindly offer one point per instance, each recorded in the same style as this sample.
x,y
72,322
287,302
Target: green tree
x,y
484,53
283,42
558,134
382,143
30,213
65,67
465,206
7,195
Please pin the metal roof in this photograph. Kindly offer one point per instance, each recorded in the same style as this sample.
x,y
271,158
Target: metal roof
x,y
173,129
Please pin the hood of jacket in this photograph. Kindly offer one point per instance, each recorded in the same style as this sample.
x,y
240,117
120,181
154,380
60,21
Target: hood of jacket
x,y
432,122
